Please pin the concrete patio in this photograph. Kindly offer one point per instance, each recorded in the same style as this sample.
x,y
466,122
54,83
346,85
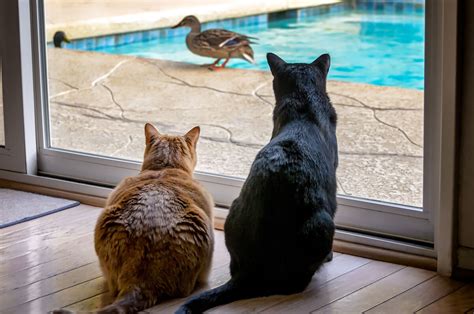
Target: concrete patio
x,y
99,104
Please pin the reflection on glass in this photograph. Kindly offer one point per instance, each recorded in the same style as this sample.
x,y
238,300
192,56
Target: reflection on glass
x,y
111,78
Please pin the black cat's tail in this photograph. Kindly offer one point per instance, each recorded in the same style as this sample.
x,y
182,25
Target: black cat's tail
x,y
228,292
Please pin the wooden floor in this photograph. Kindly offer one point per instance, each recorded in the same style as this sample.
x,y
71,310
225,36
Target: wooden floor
x,y
50,263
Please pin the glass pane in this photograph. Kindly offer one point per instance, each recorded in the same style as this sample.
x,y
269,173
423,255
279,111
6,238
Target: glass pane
x,y
2,125
125,66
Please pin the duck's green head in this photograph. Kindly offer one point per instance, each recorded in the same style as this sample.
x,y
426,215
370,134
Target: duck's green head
x,y
189,21
59,38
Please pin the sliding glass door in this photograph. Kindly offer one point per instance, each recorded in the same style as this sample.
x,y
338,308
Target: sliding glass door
x,y
17,125
114,67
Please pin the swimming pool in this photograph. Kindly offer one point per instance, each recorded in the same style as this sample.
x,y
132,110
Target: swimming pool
x,y
380,47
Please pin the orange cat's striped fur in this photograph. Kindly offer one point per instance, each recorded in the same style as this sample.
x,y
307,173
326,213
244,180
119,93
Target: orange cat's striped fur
x,y
155,238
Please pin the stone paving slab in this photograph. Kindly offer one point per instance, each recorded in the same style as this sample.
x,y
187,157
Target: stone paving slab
x,y
99,103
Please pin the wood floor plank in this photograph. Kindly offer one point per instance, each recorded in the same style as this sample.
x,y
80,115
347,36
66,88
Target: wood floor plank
x,y
335,289
91,304
376,293
418,297
460,301
340,265
47,254
57,218
82,216
50,263
49,232
61,298
46,270
63,235
50,285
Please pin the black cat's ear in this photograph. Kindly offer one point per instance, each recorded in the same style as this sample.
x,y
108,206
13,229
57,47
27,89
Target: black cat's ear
x,y
275,62
193,135
151,133
323,63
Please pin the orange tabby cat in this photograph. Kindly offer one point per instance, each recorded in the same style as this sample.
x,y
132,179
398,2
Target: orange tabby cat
x,y
155,237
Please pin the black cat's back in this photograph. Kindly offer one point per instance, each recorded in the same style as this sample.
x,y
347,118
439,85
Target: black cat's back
x,y
288,180
280,229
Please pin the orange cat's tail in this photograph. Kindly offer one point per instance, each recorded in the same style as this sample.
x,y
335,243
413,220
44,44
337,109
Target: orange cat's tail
x,y
129,302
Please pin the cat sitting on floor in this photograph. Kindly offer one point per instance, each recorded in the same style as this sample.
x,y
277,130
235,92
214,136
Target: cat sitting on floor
x,y
155,237
280,229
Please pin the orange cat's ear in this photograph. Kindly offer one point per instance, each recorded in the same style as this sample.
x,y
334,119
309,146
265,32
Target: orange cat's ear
x,y
151,133
193,135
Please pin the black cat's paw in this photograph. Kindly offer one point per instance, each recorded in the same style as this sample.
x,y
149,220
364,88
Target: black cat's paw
x,y
328,257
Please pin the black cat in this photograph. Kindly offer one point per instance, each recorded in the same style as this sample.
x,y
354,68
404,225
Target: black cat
x,y
280,229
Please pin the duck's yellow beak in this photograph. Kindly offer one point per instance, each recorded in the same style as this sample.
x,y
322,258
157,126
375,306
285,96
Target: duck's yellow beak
x,y
66,39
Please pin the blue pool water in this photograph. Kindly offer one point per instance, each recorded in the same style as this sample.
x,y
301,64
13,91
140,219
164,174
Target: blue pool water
x,y
374,47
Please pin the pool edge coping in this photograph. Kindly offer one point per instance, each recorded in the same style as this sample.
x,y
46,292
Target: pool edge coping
x,y
154,19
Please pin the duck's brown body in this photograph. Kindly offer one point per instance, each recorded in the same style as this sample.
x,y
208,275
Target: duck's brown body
x,y
216,43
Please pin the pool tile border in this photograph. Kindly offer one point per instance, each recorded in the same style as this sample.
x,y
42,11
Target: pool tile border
x,y
101,42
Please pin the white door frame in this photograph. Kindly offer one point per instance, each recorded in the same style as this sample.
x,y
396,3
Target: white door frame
x,y
19,152
440,127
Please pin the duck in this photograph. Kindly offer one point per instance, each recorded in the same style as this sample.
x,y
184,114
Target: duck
x,y
216,43
60,37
